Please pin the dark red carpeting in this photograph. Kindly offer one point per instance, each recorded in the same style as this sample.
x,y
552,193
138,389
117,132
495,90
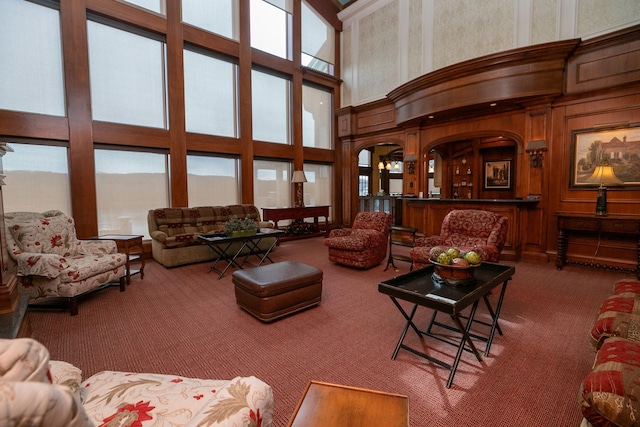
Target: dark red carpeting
x,y
184,321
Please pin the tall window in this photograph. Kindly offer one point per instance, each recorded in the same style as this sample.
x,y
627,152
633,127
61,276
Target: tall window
x,y
272,183
317,107
271,26
213,181
318,41
219,16
128,185
127,76
210,94
271,108
37,179
317,189
31,72
365,172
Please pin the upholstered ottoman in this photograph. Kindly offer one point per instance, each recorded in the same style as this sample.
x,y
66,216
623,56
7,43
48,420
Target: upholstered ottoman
x,y
274,290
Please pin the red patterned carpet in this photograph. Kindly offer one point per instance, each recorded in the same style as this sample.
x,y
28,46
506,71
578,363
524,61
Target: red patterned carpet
x,y
184,321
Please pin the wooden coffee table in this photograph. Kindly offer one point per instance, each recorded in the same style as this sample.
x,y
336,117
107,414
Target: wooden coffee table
x,y
333,405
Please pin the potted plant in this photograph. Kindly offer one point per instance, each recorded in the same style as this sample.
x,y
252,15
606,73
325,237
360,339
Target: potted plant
x,y
235,227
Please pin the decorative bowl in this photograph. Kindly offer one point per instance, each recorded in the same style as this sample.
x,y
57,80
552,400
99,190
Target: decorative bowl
x,y
453,275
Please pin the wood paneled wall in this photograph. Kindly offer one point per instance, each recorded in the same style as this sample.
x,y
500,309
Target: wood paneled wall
x,y
532,93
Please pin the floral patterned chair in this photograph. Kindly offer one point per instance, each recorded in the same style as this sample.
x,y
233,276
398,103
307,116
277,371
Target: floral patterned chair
x,y
468,230
364,245
37,391
51,262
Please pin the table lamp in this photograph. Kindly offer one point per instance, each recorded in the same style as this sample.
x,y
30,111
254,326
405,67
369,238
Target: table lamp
x,y
298,178
603,174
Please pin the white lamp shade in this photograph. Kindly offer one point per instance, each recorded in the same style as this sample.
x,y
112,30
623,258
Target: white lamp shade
x,y
298,176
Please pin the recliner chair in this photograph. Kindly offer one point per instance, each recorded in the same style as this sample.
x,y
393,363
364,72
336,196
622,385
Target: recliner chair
x,y
468,230
364,245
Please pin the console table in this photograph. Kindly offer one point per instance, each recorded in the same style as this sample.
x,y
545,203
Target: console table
x,y
570,222
298,213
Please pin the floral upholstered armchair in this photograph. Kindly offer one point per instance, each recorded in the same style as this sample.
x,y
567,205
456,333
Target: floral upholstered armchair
x,y
51,262
35,391
468,230
364,245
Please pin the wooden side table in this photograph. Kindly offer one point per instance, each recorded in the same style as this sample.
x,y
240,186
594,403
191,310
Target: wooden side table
x,y
400,236
131,245
332,405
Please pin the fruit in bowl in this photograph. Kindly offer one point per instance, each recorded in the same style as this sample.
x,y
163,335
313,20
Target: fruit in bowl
x,y
455,270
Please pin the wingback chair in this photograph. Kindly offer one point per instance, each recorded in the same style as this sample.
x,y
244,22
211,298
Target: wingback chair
x,y
364,245
468,230
51,262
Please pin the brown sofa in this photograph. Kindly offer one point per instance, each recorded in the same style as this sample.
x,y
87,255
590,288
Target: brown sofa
x,y
174,231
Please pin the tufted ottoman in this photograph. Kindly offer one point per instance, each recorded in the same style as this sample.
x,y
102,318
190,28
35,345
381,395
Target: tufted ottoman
x,y
274,290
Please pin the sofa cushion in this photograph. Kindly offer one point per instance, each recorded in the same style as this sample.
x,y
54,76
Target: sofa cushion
x,y
54,235
175,400
610,392
627,286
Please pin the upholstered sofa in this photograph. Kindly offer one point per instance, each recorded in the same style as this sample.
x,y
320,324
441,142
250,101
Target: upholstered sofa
x,y
468,230
174,231
610,393
364,244
52,263
35,391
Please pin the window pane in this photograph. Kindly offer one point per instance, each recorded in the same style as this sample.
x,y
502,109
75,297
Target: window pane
x,y
317,189
37,179
212,181
127,77
318,41
316,118
364,158
270,108
128,185
210,95
272,184
219,16
31,74
270,28
363,185
157,6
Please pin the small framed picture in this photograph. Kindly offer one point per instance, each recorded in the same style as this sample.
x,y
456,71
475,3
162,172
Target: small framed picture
x,y
497,175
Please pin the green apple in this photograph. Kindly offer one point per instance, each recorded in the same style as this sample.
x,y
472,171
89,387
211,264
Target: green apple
x,y
453,252
472,257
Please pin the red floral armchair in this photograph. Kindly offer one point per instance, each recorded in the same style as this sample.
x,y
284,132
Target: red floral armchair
x,y
468,230
364,245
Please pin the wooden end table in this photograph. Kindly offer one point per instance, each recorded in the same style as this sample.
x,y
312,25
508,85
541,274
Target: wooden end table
x,y
126,244
333,405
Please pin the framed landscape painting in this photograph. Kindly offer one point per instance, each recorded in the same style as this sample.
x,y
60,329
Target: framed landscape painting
x,y
497,175
619,148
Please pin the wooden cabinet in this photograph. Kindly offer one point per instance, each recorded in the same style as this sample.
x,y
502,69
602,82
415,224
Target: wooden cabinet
x,y
576,224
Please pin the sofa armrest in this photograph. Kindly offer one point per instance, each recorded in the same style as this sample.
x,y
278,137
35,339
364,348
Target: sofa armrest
x,y
46,265
64,373
265,224
158,235
97,247
339,232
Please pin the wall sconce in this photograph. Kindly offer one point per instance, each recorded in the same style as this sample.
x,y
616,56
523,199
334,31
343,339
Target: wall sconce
x,y
380,166
298,178
410,160
535,150
603,174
